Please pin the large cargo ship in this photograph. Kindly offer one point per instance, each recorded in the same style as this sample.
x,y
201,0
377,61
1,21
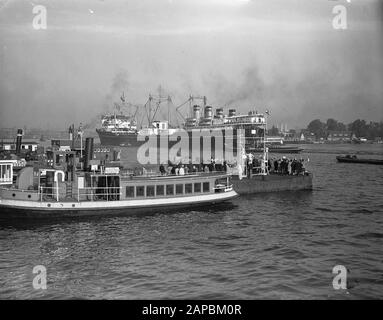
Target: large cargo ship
x,y
121,130
118,130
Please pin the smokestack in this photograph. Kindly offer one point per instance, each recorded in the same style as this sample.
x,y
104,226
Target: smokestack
x,y
219,113
18,140
71,129
208,112
232,112
196,112
88,153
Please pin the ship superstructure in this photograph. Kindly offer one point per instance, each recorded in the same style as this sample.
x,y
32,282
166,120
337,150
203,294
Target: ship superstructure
x,y
121,130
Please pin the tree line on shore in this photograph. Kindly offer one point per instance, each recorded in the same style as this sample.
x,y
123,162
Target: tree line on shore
x,y
359,128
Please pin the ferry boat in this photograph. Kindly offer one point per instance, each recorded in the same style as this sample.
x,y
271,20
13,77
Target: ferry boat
x,y
60,190
277,149
274,145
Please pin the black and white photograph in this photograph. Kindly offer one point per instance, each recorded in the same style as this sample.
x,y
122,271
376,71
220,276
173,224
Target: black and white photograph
x,y
191,150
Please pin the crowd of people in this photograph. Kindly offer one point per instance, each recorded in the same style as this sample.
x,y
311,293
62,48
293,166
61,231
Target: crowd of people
x,y
182,169
282,165
287,166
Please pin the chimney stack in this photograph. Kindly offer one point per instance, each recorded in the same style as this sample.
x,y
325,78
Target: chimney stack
x,y
19,139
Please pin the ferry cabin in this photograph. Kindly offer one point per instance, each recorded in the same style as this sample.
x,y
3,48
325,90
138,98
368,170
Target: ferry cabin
x,y
113,187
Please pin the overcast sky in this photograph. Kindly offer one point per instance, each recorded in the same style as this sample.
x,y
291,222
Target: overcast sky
x,y
282,55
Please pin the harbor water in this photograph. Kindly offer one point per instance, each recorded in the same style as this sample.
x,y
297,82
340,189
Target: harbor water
x,y
279,245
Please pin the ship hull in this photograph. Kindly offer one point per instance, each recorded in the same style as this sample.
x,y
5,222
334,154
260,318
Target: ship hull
x,y
272,183
278,150
118,139
14,208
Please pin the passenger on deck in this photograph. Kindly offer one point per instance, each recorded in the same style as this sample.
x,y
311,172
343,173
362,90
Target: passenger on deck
x,y
294,166
162,170
212,164
276,166
181,170
301,168
136,171
189,167
224,166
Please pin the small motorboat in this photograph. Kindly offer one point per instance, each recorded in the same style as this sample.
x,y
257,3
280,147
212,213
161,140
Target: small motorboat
x,y
354,159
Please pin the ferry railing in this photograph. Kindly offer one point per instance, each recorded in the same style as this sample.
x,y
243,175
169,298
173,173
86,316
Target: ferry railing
x,y
95,193
19,190
222,188
158,174
106,193
49,191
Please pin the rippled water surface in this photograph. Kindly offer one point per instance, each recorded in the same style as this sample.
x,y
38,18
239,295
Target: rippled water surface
x,y
281,245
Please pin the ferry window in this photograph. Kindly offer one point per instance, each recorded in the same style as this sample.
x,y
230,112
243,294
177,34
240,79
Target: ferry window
x,y
130,192
220,182
169,189
206,187
179,188
160,190
197,187
140,191
150,191
188,188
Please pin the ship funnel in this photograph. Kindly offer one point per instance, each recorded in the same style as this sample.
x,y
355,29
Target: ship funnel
x,y
89,151
219,113
232,112
196,112
19,139
70,132
208,112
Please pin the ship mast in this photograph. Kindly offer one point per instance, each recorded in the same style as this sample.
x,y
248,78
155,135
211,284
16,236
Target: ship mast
x,y
150,110
264,167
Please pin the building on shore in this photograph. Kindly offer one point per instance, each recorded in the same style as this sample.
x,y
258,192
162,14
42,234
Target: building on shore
x,y
339,136
10,144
